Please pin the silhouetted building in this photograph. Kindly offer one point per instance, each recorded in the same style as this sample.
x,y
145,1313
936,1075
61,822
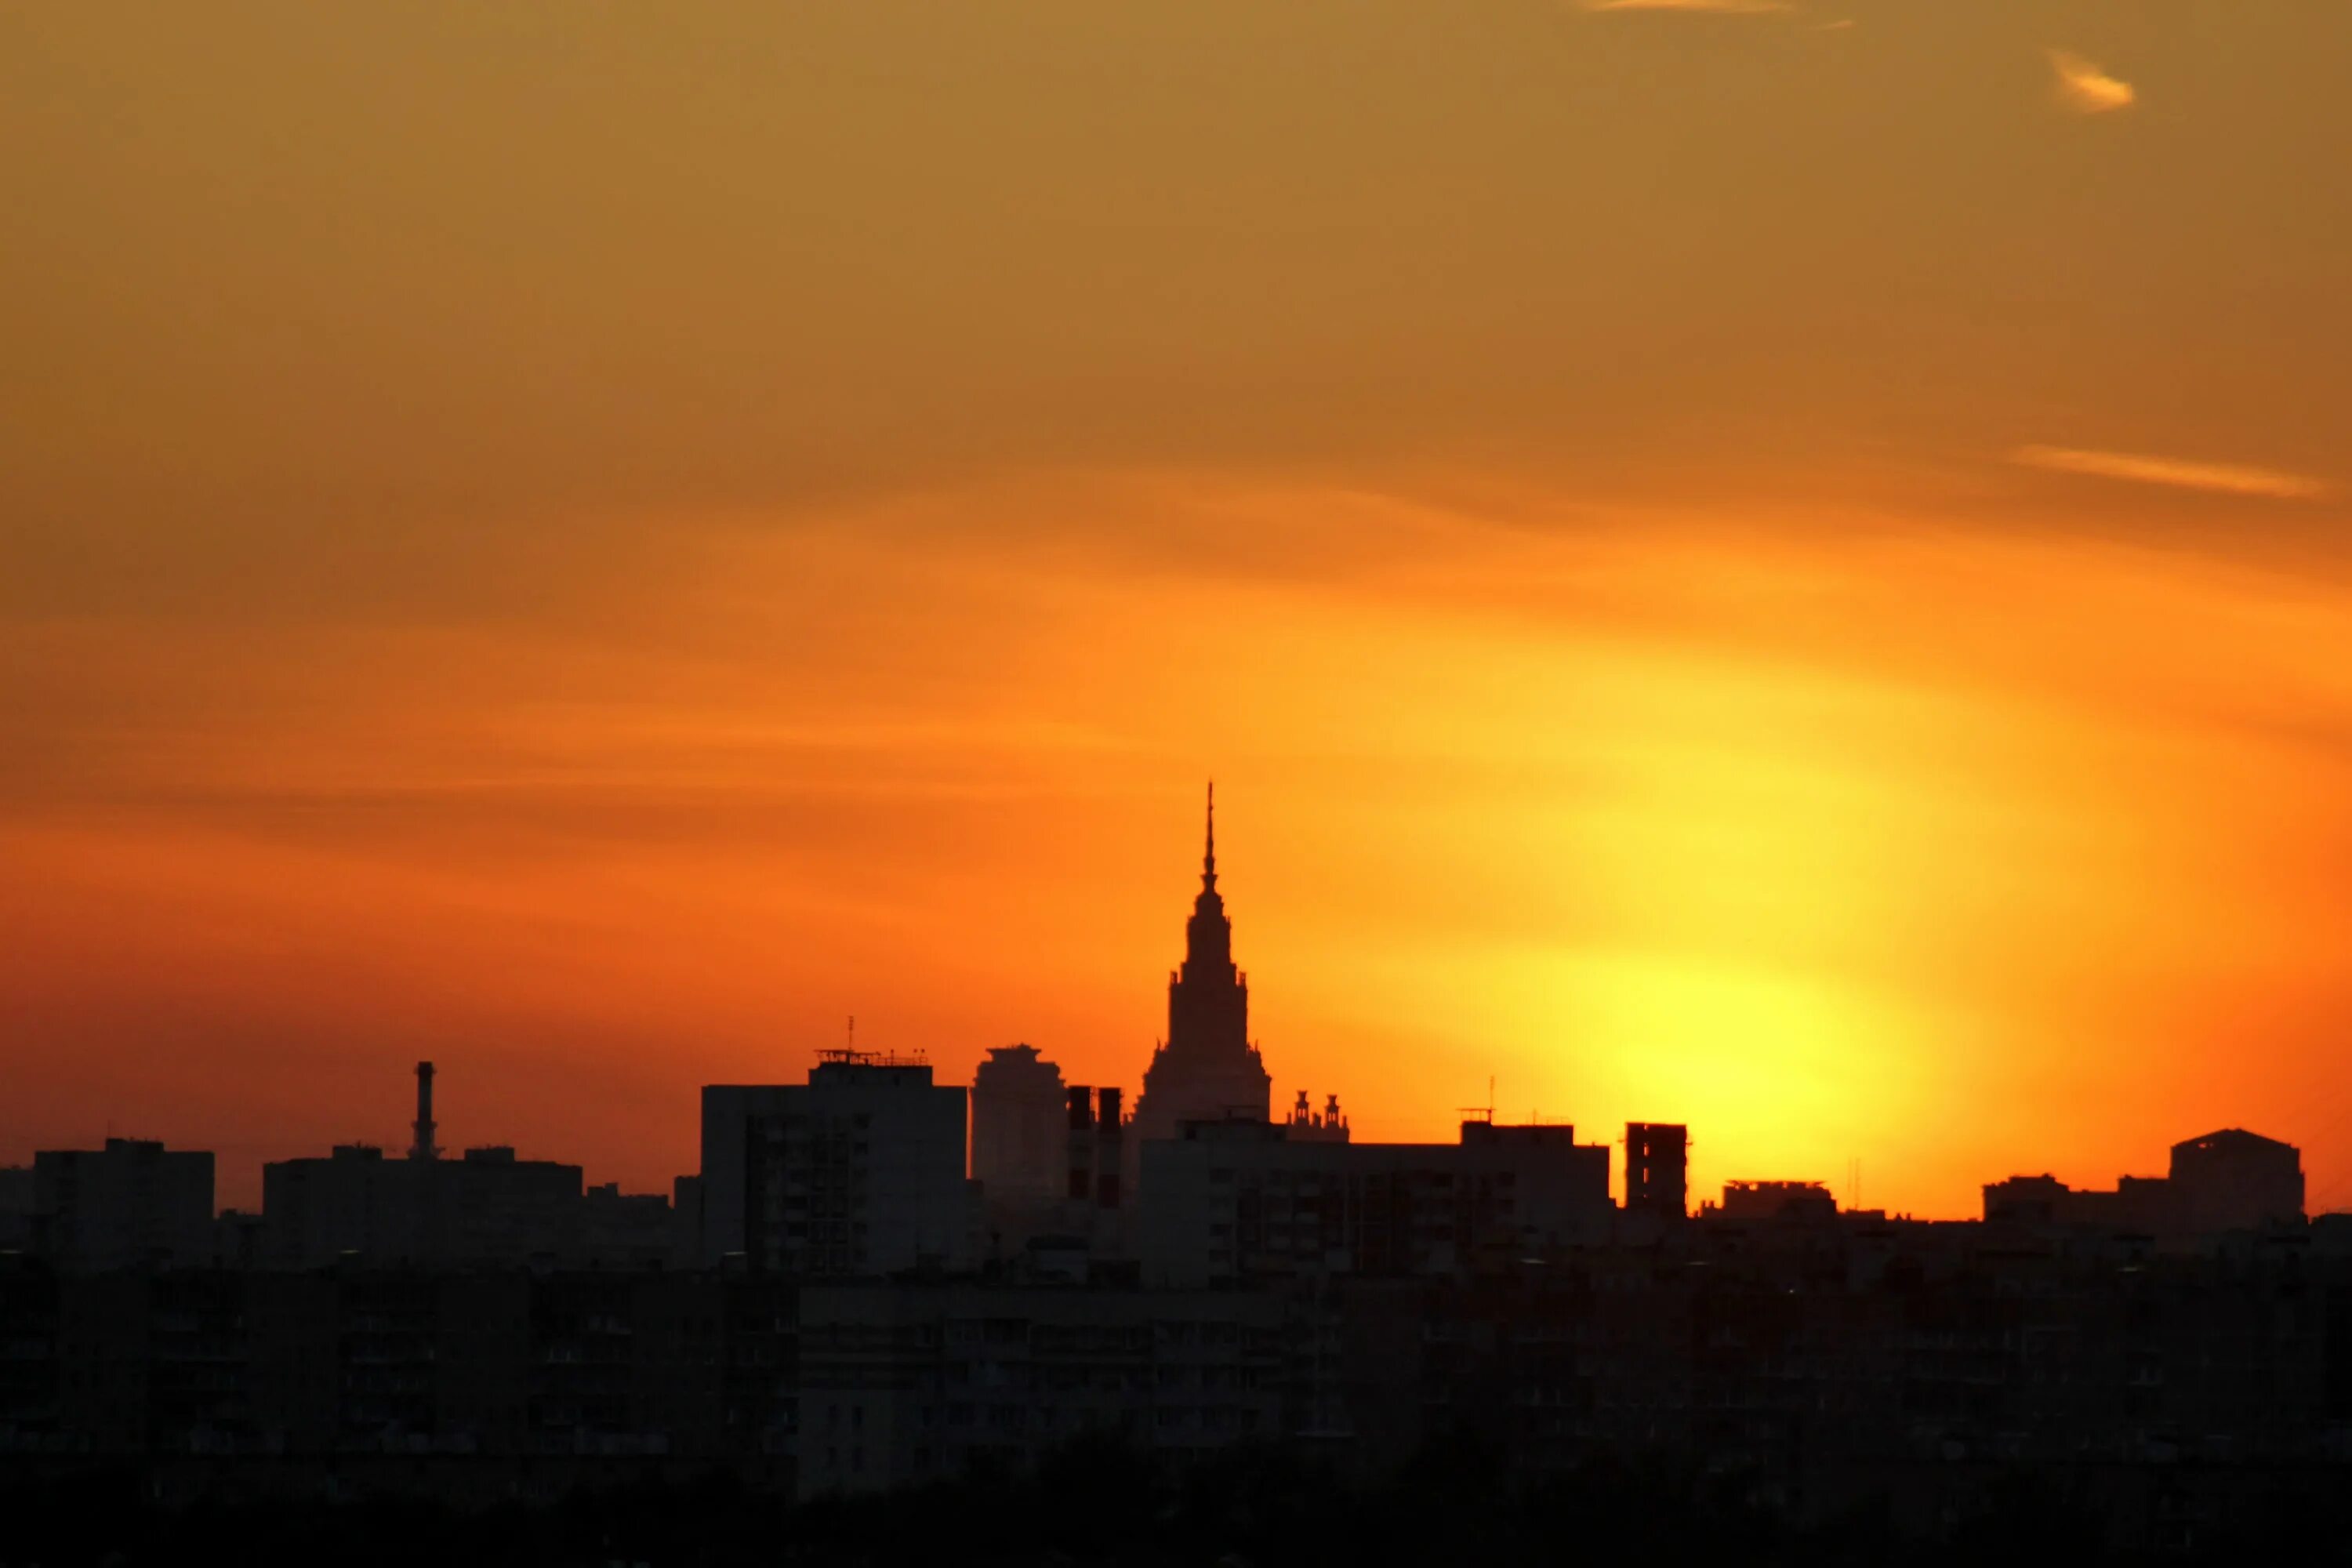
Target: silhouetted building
x,y
2028,1200
860,1171
1082,1218
625,1230
2227,1181
1096,1192
1776,1200
1329,1125
1016,1126
1096,1139
316,1211
730,1114
2139,1205
486,1208
133,1203
1207,1070
1657,1169
1239,1200
2236,1179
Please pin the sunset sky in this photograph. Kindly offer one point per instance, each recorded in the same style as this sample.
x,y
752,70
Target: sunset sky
x,y
1785,567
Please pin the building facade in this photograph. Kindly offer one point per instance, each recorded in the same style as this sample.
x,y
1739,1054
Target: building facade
x,y
486,1207
858,1171
1657,1169
131,1203
1235,1201
2236,1179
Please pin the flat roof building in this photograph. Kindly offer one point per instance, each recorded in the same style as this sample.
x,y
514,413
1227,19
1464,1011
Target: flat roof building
x,y
133,1203
859,1170
1242,1200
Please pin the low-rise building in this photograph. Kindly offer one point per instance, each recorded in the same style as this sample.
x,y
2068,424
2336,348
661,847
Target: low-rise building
x,y
487,1207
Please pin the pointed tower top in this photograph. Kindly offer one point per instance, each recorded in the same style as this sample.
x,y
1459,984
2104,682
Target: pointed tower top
x,y
1209,856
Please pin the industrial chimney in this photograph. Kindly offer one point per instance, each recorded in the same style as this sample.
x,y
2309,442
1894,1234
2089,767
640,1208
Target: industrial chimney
x,y
424,1148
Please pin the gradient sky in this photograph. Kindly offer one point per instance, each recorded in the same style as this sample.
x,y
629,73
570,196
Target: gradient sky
x,y
1784,567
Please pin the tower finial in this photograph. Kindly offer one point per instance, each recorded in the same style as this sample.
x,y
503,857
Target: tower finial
x,y
1209,856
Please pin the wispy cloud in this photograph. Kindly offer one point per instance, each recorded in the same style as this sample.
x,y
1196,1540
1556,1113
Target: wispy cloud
x,y
2087,89
1719,7
2225,479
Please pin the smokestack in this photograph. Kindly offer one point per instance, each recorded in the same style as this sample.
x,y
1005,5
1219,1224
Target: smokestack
x,y
424,1148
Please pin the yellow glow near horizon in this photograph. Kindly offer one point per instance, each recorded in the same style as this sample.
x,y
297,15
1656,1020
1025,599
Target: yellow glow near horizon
x,y
1729,566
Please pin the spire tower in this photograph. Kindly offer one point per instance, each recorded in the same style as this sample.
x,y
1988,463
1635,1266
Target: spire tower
x,y
1206,1070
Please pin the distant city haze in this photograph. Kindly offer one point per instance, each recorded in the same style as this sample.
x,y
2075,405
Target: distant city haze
x,y
1730,569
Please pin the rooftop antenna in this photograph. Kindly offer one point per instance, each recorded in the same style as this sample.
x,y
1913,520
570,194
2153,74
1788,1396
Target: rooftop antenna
x,y
1487,1110
853,1031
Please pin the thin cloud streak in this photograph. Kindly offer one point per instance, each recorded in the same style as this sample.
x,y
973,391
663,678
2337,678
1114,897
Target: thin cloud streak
x,y
2086,88
2223,478
1719,7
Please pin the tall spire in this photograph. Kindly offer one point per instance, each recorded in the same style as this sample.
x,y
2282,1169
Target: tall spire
x,y
1207,1070
1209,857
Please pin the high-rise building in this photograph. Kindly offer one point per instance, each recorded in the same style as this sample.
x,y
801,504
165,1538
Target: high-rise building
x,y
1207,1070
1016,1126
1657,1169
730,1113
858,1171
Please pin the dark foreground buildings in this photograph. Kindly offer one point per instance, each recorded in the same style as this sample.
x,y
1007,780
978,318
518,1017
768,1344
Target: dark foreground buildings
x,y
841,1303
1828,1365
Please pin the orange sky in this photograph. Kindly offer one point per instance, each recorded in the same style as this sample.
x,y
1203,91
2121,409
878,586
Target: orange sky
x,y
1732,569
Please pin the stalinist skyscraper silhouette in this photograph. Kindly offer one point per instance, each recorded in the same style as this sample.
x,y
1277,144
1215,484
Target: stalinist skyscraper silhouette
x,y
1207,1070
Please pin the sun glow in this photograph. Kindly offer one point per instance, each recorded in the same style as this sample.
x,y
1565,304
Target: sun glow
x,y
1800,841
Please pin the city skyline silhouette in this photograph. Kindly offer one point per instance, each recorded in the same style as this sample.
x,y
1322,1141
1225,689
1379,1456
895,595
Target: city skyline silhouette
x,y
1807,594
877,1287
1185,781
1207,1066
